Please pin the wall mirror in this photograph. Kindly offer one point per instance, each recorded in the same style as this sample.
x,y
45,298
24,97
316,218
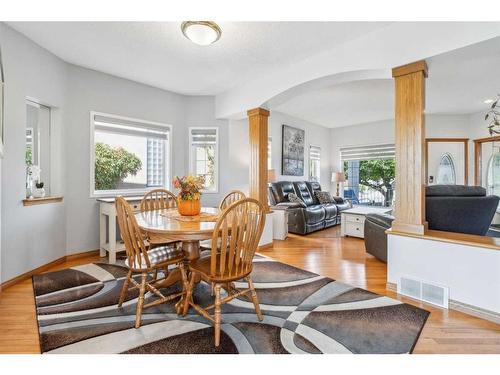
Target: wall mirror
x,y
38,141
446,161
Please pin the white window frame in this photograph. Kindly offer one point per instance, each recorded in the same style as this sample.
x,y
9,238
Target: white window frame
x,y
309,156
191,161
128,192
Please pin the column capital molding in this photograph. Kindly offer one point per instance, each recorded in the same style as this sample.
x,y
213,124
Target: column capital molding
x,y
258,112
414,67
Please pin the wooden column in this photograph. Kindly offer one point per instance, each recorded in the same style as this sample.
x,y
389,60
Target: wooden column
x,y
257,124
410,148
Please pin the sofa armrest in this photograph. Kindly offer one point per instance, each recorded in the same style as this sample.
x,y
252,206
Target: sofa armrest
x,y
338,200
287,205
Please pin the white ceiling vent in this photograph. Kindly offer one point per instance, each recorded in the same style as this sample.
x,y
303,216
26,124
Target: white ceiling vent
x,y
424,291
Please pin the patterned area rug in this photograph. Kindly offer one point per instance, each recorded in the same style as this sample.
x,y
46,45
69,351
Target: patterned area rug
x,y
303,313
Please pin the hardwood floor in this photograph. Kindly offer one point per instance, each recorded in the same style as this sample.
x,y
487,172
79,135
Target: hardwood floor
x,y
324,252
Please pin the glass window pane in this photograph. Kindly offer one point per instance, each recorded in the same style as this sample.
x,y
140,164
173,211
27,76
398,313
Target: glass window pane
x,y
204,147
129,160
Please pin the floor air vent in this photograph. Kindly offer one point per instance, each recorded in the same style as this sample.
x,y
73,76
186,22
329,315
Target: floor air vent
x,y
423,291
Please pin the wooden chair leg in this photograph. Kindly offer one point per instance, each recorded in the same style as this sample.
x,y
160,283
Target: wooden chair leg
x,y
217,316
140,301
185,285
124,291
189,294
255,300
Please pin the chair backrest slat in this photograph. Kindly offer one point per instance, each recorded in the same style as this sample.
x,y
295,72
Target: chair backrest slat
x,y
230,198
131,234
236,237
158,199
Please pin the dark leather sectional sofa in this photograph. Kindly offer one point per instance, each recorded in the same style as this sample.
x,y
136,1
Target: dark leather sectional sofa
x,y
304,220
451,208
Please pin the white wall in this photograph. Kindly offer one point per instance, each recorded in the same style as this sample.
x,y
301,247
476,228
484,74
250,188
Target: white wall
x,y
239,149
471,273
35,235
95,91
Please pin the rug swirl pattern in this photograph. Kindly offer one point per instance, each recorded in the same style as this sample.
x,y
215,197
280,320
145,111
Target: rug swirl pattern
x,y
303,313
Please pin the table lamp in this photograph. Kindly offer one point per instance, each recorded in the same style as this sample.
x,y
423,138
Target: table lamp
x,y
338,178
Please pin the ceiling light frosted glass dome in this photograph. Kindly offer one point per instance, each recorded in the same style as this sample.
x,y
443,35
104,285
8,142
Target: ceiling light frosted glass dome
x,y
202,33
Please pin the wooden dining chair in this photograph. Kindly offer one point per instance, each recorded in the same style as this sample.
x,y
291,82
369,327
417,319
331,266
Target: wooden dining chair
x,y
230,198
234,242
159,199
143,260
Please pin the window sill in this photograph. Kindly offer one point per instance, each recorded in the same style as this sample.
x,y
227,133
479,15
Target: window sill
x,y
44,200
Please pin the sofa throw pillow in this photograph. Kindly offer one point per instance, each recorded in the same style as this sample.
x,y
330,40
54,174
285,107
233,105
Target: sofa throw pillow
x,y
295,199
324,197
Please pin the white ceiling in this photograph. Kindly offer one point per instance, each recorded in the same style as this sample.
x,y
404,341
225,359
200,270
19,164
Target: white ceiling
x,y
157,54
458,83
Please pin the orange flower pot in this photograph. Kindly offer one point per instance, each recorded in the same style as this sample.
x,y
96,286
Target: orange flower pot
x,y
188,207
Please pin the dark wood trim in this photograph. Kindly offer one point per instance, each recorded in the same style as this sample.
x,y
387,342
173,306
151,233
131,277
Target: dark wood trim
x,y
44,200
478,145
448,140
45,268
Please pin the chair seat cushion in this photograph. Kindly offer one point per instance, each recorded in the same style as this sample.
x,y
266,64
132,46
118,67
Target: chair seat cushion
x,y
314,214
158,255
330,211
382,220
202,265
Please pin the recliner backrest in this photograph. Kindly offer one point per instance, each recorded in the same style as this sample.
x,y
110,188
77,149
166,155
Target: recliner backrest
x,y
313,188
280,191
460,208
303,192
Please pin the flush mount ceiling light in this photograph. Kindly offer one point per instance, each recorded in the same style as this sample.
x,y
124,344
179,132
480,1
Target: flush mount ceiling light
x,y
202,33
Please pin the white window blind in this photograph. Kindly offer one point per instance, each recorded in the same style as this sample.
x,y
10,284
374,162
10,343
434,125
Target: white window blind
x,y
116,125
384,151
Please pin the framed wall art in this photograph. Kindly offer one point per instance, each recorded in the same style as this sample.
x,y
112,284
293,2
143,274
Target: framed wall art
x,y
292,152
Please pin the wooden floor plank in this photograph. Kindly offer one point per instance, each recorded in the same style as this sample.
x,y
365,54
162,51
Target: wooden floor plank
x,y
325,253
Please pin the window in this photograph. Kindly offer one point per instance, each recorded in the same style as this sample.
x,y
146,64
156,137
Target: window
x,y
370,173
37,152
446,171
493,175
203,156
314,163
128,156
269,153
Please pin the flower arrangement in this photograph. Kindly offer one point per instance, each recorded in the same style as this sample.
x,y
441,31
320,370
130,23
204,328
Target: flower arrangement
x,y
190,187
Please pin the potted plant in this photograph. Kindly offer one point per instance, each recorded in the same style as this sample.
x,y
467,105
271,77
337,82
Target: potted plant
x,y
39,192
189,198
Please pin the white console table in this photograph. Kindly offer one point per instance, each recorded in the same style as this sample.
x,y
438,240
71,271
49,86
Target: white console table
x,y
353,219
107,226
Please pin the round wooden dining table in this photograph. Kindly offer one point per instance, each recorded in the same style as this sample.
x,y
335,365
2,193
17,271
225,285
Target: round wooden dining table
x,y
166,225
